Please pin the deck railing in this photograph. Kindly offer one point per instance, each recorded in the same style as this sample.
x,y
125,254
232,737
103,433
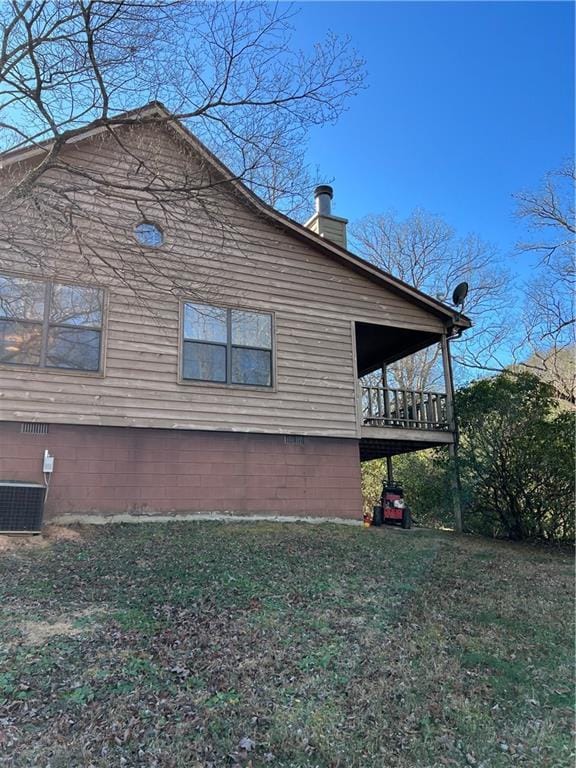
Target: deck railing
x,y
410,409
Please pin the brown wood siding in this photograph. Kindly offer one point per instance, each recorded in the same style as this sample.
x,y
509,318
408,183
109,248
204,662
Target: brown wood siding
x,y
225,255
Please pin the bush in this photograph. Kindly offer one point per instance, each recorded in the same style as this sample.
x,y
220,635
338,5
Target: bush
x,y
516,459
516,464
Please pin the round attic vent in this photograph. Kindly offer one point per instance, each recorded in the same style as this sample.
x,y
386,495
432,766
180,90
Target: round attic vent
x,y
149,234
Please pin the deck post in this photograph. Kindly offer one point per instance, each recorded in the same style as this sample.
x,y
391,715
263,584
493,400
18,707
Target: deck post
x,y
452,447
385,392
389,469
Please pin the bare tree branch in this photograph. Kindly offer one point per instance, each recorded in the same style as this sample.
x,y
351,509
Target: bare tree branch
x,y
424,251
549,317
227,70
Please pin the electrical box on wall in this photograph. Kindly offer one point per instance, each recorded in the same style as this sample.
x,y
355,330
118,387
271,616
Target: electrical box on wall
x,y
48,465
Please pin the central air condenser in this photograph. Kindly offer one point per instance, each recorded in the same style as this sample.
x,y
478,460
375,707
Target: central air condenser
x,y
21,507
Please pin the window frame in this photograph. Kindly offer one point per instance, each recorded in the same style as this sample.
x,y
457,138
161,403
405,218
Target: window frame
x,y
228,346
46,325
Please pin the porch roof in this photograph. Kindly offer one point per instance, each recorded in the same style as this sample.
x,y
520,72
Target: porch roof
x,y
378,345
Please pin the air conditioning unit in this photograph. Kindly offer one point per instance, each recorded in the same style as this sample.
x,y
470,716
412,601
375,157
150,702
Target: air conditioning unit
x,y
21,507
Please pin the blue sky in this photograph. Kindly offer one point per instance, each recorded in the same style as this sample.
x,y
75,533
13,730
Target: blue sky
x,y
467,102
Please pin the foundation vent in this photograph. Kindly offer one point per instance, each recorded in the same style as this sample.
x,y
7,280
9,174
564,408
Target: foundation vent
x,y
33,428
293,440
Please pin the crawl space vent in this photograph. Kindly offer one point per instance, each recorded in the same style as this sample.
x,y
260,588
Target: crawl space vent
x,y
293,440
32,428
21,507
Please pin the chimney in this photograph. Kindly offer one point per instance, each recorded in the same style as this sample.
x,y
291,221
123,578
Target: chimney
x,y
323,222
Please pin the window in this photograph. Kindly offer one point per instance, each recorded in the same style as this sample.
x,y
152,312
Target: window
x,y
50,325
149,234
230,346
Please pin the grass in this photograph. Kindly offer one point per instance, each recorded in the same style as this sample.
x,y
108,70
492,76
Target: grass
x,y
294,646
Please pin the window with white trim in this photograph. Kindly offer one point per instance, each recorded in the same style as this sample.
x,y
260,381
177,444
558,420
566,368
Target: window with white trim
x,y
228,346
50,325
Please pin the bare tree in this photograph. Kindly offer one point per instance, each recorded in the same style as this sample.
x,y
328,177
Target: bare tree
x,y
556,367
227,70
551,217
549,339
539,336
424,251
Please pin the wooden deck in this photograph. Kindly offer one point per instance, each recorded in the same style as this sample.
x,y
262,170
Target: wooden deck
x,y
404,409
401,421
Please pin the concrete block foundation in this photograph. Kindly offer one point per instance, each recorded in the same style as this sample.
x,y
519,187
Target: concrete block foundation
x,y
125,470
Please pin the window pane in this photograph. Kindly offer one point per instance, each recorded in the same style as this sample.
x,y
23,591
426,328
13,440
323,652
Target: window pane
x,y
149,234
72,305
251,366
251,329
206,362
205,323
20,342
75,348
21,299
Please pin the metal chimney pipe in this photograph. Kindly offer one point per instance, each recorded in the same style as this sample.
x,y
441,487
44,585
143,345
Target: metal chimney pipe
x,y
323,196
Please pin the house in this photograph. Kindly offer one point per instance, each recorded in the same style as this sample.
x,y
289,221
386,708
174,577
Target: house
x,y
188,352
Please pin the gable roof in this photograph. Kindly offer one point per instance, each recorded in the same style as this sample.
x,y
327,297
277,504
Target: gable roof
x,y
455,321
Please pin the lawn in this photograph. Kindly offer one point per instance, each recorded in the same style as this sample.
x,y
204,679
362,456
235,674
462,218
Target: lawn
x,y
264,644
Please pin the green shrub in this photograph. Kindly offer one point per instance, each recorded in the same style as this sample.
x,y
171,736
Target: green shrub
x,y
516,464
516,459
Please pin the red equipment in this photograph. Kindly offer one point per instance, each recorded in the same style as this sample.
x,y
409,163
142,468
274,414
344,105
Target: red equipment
x,y
392,507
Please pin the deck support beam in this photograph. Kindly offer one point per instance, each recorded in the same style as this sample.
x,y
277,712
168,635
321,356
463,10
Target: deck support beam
x,y
389,469
385,393
452,447
389,465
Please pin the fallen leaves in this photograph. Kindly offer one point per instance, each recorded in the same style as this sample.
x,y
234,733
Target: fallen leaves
x,y
207,645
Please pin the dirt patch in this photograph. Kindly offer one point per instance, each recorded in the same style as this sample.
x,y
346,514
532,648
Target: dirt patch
x,y
61,533
49,535
10,543
37,632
